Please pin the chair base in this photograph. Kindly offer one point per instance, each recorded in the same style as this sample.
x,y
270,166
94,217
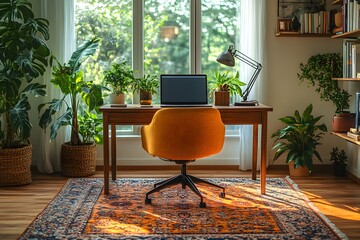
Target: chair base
x,y
185,180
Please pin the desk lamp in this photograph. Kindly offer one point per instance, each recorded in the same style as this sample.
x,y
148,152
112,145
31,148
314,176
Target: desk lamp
x,y
227,58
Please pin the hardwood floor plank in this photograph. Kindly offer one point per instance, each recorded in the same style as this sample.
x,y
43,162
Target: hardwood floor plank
x,y
337,198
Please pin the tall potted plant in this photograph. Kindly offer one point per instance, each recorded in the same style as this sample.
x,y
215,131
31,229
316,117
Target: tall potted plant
x,y
318,72
80,98
118,78
299,138
24,56
146,86
223,85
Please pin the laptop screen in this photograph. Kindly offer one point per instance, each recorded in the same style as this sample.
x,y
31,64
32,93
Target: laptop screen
x,y
183,89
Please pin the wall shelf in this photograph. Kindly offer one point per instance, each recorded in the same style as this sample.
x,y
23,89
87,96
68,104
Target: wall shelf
x,y
344,136
352,34
297,34
347,79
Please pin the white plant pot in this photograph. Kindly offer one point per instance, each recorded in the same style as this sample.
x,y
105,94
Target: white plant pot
x,y
117,98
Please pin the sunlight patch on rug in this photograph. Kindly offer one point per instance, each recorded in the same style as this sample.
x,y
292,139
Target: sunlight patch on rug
x,y
81,210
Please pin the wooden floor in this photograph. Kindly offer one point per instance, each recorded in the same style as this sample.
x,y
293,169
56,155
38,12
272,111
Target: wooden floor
x,y
337,198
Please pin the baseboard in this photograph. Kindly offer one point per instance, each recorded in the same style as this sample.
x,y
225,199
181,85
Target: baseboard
x,y
353,177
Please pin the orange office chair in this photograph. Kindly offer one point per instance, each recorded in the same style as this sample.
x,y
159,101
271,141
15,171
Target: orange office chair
x,y
182,135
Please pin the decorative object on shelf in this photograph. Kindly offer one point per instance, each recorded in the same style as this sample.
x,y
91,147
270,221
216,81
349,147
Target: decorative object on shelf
x,y
339,158
295,24
146,86
299,138
24,57
118,78
223,85
318,71
227,58
80,113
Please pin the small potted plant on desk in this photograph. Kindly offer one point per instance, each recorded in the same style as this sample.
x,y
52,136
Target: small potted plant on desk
x,y
319,71
118,78
339,158
146,86
299,138
81,99
223,85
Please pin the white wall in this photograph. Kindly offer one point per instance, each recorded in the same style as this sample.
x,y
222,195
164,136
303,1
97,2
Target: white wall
x,y
286,94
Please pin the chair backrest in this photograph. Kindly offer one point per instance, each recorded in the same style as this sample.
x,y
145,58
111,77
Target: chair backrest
x,y
184,133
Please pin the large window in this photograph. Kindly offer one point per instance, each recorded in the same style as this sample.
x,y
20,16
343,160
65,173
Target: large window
x,y
164,39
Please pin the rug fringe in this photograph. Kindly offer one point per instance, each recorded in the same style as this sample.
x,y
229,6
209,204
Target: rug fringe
x,y
315,209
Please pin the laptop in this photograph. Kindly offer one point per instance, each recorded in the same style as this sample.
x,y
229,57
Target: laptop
x,y
183,90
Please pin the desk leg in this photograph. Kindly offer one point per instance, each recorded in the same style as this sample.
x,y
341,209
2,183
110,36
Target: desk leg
x,y
254,150
263,152
106,154
113,152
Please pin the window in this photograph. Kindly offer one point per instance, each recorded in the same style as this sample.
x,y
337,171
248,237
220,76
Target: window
x,y
166,38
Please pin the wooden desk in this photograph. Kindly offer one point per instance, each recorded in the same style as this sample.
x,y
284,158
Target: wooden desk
x,y
231,115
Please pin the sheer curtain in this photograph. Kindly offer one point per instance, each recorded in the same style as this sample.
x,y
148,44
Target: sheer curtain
x,y
62,43
251,41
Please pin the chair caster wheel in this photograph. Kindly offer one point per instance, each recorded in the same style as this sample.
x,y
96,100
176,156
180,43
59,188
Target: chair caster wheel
x,y
202,205
222,195
147,200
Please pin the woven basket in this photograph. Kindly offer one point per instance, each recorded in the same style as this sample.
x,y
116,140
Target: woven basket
x,y
78,161
15,166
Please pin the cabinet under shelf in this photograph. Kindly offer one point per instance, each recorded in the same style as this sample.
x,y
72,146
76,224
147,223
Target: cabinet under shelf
x,y
344,136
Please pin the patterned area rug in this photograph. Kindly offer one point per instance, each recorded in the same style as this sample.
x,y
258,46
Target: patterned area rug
x,y
81,211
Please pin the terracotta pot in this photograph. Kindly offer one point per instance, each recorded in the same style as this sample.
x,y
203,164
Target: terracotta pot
x,y
343,122
145,97
222,98
78,160
299,171
117,98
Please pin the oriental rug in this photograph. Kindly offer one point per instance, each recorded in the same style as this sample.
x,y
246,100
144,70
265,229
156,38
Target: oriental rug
x,y
82,211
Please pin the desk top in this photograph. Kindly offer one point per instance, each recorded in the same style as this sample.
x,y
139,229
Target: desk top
x,y
137,107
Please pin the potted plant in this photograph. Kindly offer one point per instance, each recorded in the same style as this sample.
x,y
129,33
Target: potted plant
x,y
146,86
339,158
24,56
223,85
299,138
319,71
118,77
80,98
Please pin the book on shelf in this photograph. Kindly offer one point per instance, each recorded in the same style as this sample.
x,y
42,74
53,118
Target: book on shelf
x,y
355,59
355,136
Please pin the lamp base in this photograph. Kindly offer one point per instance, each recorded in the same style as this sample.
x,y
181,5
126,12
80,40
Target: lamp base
x,y
247,103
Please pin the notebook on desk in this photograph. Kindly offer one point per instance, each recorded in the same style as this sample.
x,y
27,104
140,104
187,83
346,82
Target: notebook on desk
x,y
183,90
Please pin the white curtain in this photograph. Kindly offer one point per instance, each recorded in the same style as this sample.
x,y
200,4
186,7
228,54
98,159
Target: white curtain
x,y
251,41
62,43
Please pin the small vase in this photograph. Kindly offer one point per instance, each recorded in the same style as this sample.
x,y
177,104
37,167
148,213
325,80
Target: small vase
x,y
145,97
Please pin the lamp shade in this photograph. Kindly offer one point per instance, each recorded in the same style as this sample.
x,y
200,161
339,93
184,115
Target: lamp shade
x,y
226,58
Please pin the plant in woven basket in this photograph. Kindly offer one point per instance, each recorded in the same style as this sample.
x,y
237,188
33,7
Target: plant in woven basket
x,y
69,78
24,56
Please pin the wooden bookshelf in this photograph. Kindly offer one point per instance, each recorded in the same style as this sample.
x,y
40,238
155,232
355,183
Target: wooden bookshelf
x,y
352,34
347,79
297,34
344,136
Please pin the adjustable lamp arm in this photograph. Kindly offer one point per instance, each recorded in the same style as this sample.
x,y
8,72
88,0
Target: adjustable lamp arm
x,y
227,58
